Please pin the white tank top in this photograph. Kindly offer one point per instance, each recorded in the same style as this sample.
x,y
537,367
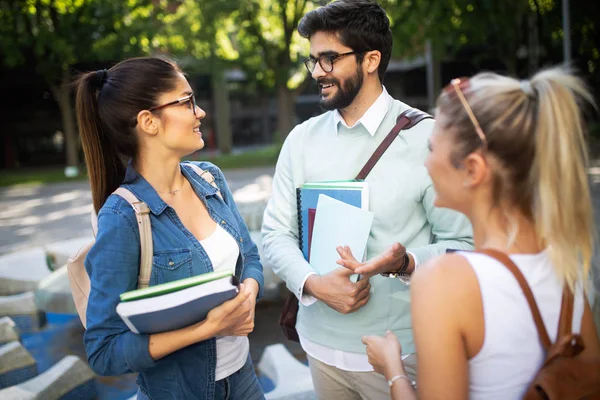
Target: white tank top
x,y
512,353
232,351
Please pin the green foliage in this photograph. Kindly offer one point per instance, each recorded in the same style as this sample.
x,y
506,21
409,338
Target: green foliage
x,y
454,24
270,48
56,34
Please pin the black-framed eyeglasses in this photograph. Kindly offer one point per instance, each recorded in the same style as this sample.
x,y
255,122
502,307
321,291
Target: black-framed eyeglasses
x,y
191,99
326,61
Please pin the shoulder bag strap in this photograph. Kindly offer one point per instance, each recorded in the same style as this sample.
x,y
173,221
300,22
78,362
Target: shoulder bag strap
x,y
565,322
406,120
207,176
537,317
142,214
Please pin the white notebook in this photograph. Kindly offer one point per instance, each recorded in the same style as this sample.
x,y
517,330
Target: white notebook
x,y
338,224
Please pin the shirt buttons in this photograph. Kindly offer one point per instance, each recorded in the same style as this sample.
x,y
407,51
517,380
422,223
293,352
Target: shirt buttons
x,y
241,240
223,222
171,263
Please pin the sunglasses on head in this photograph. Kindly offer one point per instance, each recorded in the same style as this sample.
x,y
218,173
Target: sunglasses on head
x,y
456,86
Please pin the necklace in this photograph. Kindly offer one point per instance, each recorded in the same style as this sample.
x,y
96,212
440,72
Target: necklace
x,y
173,191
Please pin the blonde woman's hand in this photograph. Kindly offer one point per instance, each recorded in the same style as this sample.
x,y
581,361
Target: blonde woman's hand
x,y
385,354
234,317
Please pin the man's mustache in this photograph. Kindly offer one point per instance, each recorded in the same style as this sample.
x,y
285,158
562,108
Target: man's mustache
x,y
327,82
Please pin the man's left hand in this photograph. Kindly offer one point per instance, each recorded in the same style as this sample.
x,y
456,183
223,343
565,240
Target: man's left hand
x,y
389,261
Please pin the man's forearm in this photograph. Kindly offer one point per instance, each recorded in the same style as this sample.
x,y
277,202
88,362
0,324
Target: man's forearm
x,y
424,253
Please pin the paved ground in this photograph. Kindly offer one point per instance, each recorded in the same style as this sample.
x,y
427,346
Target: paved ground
x,y
33,215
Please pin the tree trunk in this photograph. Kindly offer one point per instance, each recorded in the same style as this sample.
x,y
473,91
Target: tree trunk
x,y
221,106
434,73
62,94
10,155
222,118
286,111
267,131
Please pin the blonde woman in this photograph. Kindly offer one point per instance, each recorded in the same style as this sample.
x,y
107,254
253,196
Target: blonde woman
x,y
511,156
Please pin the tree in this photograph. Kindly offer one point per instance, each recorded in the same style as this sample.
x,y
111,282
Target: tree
x,y
271,50
197,35
499,27
57,34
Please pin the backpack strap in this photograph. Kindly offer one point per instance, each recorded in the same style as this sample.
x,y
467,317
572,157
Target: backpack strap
x,y
142,214
207,176
405,120
537,317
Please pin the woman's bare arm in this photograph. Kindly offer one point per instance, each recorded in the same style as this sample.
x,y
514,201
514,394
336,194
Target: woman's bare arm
x,y
444,294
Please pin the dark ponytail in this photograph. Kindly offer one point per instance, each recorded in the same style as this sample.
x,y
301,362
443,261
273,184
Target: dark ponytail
x,y
104,166
107,104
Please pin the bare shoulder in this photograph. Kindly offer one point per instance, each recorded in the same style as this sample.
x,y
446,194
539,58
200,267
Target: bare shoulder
x,y
445,274
446,266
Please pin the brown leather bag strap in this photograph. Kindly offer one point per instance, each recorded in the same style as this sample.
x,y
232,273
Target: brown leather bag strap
x,y
406,120
537,317
565,322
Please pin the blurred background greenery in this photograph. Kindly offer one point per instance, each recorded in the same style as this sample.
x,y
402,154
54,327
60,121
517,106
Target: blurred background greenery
x,y
244,59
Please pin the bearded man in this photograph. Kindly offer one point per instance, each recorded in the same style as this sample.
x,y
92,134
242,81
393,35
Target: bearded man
x,y
350,48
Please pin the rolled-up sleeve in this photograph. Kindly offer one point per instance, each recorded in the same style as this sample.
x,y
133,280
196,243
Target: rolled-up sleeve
x,y
113,267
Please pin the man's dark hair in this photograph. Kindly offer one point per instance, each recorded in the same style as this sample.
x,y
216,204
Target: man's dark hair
x,y
361,25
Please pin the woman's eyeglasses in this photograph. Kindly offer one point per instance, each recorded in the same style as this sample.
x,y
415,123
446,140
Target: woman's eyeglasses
x,y
457,85
191,99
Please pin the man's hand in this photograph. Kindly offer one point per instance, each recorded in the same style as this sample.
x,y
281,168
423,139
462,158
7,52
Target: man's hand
x,y
337,290
389,261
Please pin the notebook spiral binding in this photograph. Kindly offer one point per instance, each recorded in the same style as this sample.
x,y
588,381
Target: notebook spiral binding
x,y
299,215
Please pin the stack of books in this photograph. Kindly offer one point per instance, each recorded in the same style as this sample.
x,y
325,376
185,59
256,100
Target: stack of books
x,y
176,304
331,214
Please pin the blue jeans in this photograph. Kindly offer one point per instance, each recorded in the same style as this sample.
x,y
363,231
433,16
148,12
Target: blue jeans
x,y
241,385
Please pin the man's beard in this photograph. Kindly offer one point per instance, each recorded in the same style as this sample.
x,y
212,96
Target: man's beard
x,y
345,94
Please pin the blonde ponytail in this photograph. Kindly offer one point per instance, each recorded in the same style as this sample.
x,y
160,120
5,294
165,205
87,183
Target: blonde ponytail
x,y
562,208
535,129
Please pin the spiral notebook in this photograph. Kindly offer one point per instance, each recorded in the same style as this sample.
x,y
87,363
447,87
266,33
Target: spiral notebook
x,y
355,193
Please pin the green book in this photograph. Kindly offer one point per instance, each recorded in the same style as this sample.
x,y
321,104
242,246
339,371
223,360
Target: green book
x,y
174,286
348,184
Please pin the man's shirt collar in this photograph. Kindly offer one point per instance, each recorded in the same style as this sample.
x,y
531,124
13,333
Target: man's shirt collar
x,y
372,118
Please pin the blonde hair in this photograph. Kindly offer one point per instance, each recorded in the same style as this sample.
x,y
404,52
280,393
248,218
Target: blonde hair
x,y
535,129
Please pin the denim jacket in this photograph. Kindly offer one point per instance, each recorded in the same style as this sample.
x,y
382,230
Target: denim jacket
x,y
113,267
